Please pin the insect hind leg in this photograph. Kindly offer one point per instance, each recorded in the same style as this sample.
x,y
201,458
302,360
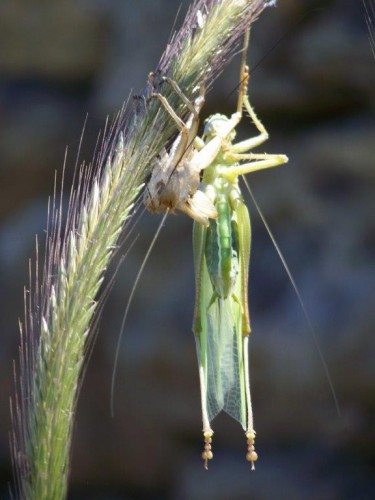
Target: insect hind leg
x,y
251,455
244,103
252,142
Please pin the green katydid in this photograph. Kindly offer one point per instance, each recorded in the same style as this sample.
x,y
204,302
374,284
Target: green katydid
x,y
221,250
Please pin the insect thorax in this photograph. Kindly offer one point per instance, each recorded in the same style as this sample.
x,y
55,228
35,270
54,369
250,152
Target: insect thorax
x,y
215,124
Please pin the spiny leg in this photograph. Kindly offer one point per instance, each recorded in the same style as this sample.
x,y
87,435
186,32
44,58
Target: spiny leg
x,y
262,161
244,237
199,240
251,454
207,431
245,244
244,73
252,142
243,102
208,153
236,157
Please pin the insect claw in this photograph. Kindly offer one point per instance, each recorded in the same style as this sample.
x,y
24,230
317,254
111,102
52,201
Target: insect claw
x,y
251,455
207,453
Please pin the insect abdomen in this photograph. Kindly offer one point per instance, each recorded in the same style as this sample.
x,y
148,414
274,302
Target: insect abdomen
x,y
222,249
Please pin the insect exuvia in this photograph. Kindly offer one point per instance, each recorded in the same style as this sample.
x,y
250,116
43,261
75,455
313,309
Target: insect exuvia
x,y
221,240
175,175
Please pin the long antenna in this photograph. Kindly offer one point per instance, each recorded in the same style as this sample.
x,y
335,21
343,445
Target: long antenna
x,y
136,281
299,297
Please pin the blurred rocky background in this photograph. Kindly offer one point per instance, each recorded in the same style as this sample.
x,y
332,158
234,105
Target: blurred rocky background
x,y
315,92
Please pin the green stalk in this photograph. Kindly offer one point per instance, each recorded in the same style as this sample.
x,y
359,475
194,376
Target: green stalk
x,y
56,334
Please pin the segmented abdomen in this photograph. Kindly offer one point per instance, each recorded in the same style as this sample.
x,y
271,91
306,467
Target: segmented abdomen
x,y
221,249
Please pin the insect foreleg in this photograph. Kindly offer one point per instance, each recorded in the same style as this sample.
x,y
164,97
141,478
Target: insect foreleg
x,y
243,102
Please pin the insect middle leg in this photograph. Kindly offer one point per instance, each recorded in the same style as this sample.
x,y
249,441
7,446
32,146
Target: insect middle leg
x,y
261,162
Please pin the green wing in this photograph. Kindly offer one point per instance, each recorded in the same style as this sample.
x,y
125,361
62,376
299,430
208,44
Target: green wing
x,y
219,341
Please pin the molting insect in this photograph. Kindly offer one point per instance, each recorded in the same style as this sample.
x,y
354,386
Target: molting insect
x,y
221,240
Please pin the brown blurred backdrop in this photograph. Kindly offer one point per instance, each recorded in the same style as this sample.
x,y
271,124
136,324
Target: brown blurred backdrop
x,y
315,93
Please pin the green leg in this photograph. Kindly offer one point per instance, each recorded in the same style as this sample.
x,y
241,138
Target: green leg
x,y
200,331
267,161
